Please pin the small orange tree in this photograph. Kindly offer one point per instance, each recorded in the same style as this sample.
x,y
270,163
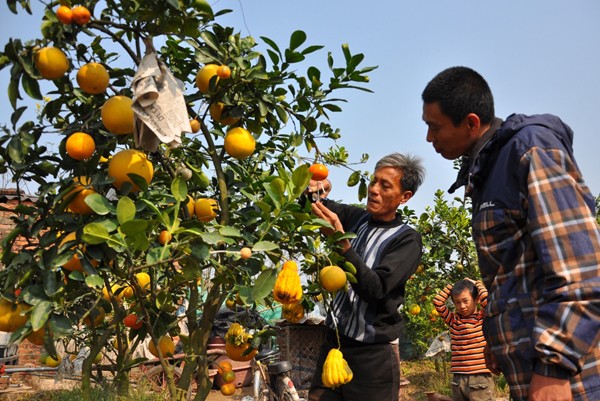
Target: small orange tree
x,y
448,256
253,178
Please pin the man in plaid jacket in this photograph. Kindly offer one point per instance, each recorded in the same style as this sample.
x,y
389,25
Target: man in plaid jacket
x,y
536,234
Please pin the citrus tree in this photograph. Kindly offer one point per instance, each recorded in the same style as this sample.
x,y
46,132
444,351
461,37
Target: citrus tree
x,y
449,255
129,221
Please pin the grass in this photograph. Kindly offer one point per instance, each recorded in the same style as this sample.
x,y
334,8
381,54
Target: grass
x,y
433,375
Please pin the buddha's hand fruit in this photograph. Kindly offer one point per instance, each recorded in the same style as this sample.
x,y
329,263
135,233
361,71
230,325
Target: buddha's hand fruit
x,y
288,289
335,370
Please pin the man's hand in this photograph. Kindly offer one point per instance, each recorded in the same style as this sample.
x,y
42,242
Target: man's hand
x,y
543,388
324,213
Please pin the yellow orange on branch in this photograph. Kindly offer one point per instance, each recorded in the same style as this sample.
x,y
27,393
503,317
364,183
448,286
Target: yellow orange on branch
x,y
117,115
130,161
332,278
204,76
80,146
51,62
239,143
92,78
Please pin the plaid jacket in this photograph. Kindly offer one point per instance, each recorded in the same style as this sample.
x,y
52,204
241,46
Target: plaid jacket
x,y
539,254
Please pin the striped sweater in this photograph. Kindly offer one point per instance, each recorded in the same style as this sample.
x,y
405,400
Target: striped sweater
x,y
466,334
385,255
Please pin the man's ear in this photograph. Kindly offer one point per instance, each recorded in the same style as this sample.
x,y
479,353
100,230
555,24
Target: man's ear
x,y
473,123
406,195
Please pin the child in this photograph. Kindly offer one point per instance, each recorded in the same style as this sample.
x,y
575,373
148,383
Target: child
x,y
472,380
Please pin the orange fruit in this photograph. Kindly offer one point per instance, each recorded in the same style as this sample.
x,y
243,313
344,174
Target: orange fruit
x,y
80,146
224,366
36,337
204,76
95,318
230,303
129,161
74,264
143,280
195,125
239,143
51,362
206,209
165,345
216,111
82,188
51,62
224,72
319,171
245,253
92,78
127,292
132,321
414,310
64,15
164,237
11,317
236,352
117,115
116,293
332,278
81,15
228,376
228,388
191,205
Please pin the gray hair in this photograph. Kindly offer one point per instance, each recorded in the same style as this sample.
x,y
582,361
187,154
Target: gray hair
x,y
413,172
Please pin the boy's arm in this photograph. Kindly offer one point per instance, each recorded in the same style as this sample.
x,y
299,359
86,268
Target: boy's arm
x,y
439,302
482,293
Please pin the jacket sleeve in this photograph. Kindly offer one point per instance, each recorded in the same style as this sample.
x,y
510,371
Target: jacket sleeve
x,y
439,302
566,239
401,259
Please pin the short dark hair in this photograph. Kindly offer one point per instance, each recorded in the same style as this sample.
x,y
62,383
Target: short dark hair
x,y
413,172
460,91
462,285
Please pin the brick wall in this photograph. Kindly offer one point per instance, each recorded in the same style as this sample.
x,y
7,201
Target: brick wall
x,y
9,199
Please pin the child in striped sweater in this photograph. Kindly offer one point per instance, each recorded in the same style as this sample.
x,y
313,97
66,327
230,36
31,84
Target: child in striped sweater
x,y
472,380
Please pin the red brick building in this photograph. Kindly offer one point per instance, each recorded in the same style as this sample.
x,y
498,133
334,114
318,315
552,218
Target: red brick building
x,y
9,199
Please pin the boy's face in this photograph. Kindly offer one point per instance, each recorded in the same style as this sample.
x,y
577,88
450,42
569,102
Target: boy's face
x,y
464,303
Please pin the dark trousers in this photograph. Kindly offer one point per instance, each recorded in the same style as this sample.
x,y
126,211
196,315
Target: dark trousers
x,y
376,369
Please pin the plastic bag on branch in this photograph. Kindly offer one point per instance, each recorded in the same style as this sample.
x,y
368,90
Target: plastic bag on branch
x,y
160,113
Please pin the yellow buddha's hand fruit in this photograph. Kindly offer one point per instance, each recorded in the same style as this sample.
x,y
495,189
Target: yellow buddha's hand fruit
x,y
288,289
335,370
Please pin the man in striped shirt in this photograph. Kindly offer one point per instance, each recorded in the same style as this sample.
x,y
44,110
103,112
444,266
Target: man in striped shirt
x,y
472,380
385,252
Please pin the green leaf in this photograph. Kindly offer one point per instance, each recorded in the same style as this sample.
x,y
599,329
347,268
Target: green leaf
x,y
31,86
297,39
99,204
353,179
94,281
300,179
60,326
274,193
263,246
51,284
13,92
95,233
125,210
179,189
311,49
362,190
134,227
264,284
228,231
212,238
210,39
271,43
40,314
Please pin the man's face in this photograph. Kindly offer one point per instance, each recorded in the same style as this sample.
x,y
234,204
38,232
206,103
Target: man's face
x,y
464,303
449,140
386,194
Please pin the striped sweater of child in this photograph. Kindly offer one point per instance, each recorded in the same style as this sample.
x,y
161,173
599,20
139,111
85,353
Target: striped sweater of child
x,y
466,333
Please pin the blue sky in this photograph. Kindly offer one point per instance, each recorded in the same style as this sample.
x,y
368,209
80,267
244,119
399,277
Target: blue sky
x,y
539,56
